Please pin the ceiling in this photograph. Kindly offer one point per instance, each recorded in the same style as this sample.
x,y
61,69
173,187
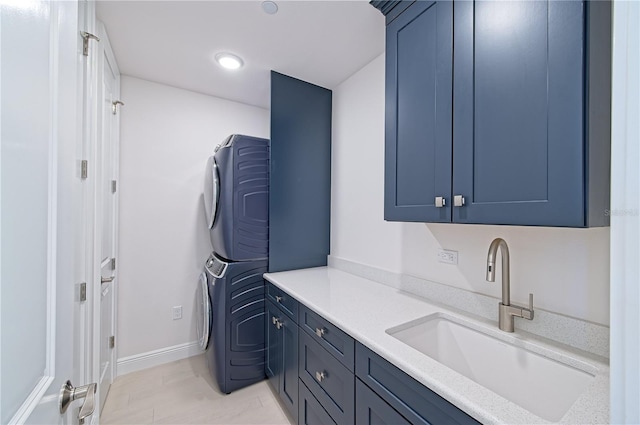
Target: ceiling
x,y
174,42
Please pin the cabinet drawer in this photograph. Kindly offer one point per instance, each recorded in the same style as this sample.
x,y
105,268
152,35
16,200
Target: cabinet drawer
x,y
334,340
373,410
311,412
286,302
417,403
329,381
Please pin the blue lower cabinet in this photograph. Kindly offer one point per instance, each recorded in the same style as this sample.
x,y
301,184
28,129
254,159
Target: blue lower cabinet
x,y
311,411
417,403
312,372
373,410
281,356
331,383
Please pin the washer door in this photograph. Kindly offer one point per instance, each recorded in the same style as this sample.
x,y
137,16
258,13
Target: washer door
x,y
211,191
203,312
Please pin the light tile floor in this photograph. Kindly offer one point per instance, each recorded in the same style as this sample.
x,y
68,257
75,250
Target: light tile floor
x,y
183,392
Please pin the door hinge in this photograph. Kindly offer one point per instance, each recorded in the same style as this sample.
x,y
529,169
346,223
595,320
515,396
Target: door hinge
x,y
112,342
114,106
86,36
113,264
84,169
83,291
113,186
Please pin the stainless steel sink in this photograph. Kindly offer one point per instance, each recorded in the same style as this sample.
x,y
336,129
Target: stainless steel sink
x,y
543,384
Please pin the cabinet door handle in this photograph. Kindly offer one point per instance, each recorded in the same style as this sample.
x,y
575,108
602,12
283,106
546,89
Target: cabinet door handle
x,y
458,201
440,201
278,299
320,376
278,324
321,332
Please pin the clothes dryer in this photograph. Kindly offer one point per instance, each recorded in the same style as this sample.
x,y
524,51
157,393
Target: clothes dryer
x,y
236,198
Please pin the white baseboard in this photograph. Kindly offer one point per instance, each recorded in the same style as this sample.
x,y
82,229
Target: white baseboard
x,y
157,357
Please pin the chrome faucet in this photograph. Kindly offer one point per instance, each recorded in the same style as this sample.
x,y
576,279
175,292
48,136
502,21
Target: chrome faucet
x,y
506,311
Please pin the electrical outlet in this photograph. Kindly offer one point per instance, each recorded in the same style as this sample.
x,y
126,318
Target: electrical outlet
x,y
447,256
177,312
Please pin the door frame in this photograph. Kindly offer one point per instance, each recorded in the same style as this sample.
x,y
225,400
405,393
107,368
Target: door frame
x,y
87,105
102,49
625,207
92,216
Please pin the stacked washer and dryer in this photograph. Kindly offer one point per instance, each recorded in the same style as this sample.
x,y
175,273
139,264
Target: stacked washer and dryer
x,y
230,300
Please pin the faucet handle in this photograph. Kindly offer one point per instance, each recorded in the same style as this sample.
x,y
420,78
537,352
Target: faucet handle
x,y
528,313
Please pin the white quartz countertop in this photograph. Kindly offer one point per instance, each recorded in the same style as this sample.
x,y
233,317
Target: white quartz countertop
x,y
365,309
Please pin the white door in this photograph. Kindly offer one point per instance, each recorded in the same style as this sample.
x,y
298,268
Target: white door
x,y
106,206
39,181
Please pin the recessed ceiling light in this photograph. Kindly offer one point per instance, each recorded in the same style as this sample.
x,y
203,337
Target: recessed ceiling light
x,y
270,7
229,61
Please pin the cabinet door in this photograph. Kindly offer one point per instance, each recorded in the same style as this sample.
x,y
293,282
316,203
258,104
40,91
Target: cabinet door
x,y
273,346
418,113
289,375
311,411
373,410
518,151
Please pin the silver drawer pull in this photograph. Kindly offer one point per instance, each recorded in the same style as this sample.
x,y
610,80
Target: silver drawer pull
x,y
440,201
274,320
278,299
320,376
458,201
320,332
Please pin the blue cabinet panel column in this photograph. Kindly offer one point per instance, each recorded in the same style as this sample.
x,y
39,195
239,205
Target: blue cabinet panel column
x,y
418,113
300,187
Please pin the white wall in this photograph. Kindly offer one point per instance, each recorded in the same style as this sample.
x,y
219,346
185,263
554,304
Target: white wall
x,y
567,270
167,134
358,232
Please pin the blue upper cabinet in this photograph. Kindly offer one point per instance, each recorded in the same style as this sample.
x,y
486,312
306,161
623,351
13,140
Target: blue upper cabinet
x,y
418,107
500,108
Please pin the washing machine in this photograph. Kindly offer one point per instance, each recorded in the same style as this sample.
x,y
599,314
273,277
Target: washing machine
x,y
230,323
236,198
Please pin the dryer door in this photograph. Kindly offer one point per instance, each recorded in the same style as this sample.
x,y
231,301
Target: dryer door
x,y
203,314
211,191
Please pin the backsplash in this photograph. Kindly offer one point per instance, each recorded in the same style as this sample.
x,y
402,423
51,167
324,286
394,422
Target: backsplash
x,y
566,269
580,334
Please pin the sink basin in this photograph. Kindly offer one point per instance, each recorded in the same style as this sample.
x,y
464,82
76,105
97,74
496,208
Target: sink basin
x,y
544,386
